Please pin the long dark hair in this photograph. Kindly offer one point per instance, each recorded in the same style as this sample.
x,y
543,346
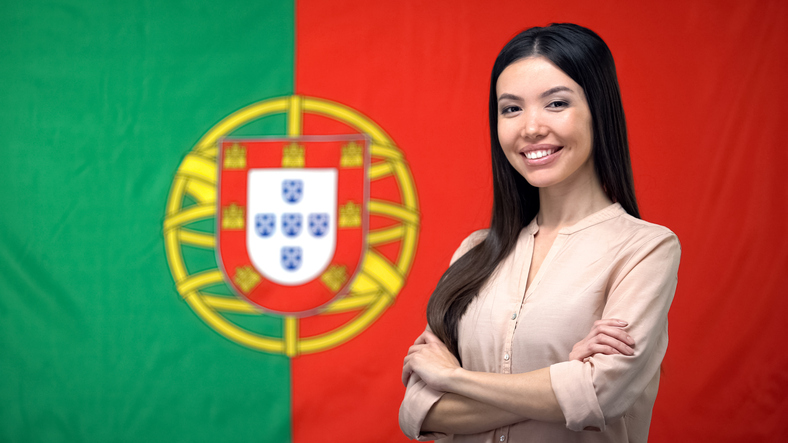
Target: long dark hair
x,y
584,57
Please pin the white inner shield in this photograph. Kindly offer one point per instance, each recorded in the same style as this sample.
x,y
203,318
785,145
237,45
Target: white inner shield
x,y
266,244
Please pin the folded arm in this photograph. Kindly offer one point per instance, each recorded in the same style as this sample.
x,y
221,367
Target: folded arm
x,y
482,401
600,389
456,414
452,413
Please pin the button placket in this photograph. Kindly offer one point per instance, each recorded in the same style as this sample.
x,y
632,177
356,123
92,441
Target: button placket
x,y
506,366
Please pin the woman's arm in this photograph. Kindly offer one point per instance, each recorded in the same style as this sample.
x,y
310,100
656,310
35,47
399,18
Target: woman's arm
x,y
588,394
428,414
455,414
601,389
522,396
458,414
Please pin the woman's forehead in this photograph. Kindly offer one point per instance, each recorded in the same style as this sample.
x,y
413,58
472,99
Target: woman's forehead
x,y
535,76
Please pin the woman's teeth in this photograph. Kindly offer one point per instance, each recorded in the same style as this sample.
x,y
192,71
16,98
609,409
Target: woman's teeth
x,y
532,155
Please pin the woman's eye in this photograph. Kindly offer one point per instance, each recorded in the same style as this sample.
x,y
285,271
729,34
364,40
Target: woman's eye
x,y
558,104
509,109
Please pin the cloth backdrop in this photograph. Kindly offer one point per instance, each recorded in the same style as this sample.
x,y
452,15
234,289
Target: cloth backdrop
x,y
117,322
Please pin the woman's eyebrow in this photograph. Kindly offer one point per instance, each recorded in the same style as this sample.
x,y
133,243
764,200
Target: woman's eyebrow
x,y
508,96
552,91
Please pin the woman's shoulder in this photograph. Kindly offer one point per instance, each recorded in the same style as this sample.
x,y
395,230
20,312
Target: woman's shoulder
x,y
644,228
641,233
469,243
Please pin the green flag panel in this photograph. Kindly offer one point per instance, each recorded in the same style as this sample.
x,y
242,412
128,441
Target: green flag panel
x,y
101,103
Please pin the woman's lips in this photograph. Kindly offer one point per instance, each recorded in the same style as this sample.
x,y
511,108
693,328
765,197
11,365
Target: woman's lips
x,y
541,155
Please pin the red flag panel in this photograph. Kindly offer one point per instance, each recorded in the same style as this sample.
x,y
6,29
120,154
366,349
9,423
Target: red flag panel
x,y
703,92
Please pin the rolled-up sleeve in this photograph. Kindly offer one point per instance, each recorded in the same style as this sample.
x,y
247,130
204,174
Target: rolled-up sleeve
x,y
602,388
419,398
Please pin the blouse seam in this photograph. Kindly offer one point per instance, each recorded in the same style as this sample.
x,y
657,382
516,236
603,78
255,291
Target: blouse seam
x,y
646,242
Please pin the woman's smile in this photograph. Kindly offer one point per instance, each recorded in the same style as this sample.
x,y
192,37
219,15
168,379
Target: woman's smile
x,y
540,155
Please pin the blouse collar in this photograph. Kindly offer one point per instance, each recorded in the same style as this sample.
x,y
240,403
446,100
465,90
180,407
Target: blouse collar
x,y
600,216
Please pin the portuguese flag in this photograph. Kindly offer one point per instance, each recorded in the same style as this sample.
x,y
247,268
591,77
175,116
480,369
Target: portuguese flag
x,y
133,305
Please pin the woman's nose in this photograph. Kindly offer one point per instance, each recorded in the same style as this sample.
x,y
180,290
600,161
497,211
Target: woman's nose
x,y
532,127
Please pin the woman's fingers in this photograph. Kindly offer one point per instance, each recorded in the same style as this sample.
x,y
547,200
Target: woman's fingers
x,y
407,365
431,348
426,338
433,363
415,348
582,350
615,343
616,333
429,337
611,322
603,325
406,370
607,337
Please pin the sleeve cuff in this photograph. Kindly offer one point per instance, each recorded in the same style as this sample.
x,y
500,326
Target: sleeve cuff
x,y
419,399
573,386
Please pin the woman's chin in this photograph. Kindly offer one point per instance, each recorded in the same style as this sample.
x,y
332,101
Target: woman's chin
x,y
541,180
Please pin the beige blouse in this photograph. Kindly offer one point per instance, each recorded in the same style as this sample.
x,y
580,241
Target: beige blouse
x,y
608,265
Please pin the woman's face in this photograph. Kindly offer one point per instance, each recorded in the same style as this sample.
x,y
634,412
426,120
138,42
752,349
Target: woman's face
x,y
544,123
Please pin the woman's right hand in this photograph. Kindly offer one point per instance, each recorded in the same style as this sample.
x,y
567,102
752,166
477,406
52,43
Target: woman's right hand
x,y
421,340
606,337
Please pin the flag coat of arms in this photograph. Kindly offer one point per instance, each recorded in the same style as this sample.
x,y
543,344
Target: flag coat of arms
x,y
292,218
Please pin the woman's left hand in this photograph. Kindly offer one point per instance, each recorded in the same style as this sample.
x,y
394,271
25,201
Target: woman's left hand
x,y
431,360
606,337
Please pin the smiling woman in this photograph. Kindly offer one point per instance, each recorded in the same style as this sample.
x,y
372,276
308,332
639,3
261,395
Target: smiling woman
x,y
551,325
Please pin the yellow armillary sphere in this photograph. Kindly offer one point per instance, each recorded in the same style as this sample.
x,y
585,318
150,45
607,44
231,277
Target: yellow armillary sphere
x,y
190,241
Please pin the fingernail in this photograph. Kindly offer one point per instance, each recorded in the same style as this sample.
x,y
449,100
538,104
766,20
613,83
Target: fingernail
x,y
622,323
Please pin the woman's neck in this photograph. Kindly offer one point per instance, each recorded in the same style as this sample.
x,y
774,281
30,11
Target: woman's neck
x,y
570,201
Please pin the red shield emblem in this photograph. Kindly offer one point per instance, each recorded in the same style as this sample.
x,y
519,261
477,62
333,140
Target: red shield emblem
x,y
292,218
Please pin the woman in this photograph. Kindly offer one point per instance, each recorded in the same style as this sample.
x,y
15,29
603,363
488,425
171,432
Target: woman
x,y
507,354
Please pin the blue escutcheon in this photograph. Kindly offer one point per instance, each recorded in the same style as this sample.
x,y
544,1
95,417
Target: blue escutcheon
x,y
318,224
291,258
291,224
265,224
292,190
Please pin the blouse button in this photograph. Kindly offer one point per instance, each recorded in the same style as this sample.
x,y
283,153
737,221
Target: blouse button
x,y
506,357
503,437
514,316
